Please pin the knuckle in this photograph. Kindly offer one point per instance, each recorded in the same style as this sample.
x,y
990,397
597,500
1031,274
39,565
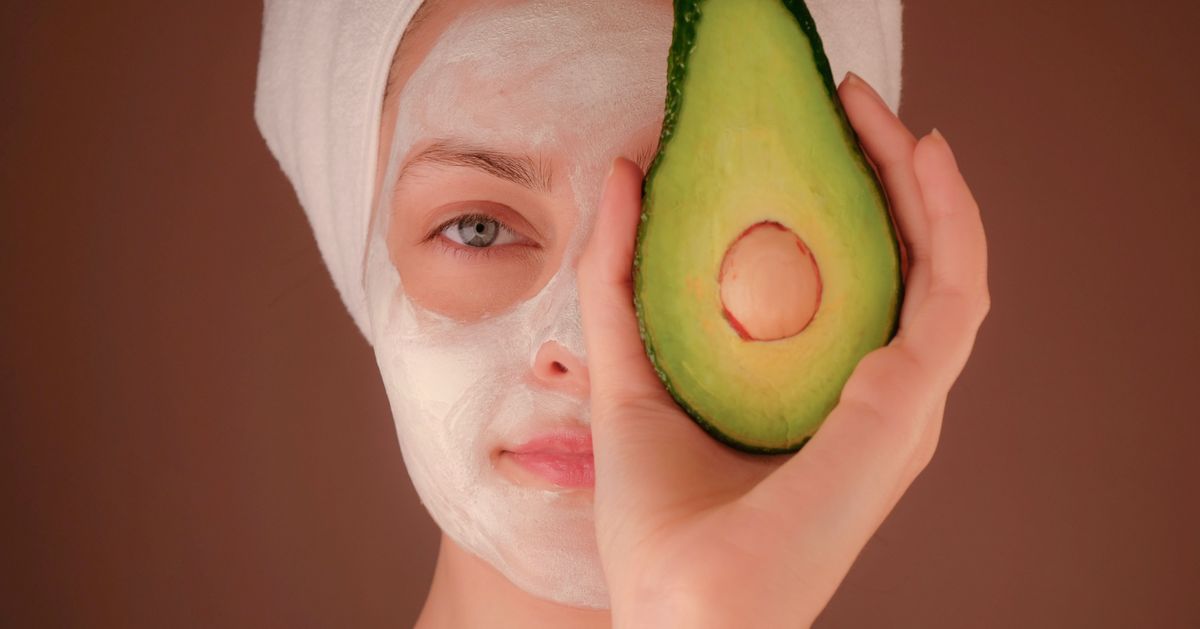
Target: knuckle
x,y
885,394
869,377
885,374
907,361
871,411
635,403
925,451
961,303
931,435
985,304
980,304
865,409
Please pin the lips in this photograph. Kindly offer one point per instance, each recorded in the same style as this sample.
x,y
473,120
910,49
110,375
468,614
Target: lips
x,y
562,459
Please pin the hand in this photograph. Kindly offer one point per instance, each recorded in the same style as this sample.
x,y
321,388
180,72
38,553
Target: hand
x,y
694,534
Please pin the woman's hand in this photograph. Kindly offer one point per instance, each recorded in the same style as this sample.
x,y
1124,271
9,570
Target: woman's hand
x,y
694,534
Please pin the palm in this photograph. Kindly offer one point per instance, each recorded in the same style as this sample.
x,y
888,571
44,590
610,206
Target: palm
x,y
681,515
687,513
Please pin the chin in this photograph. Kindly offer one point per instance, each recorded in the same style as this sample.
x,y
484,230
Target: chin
x,y
543,541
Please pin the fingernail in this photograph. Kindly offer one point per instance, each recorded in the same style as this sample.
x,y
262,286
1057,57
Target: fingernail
x,y
937,135
858,81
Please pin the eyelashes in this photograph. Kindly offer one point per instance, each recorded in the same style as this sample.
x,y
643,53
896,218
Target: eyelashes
x,y
475,234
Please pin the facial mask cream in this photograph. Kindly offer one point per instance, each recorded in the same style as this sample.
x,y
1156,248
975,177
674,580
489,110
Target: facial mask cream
x,y
576,81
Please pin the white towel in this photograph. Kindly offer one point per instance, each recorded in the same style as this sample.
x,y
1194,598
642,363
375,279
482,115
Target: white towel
x,y
321,76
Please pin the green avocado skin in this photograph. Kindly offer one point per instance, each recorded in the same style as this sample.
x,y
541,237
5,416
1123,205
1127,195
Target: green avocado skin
x,y
688,15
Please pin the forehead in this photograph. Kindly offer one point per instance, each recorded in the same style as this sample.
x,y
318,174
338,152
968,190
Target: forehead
x,y
435,17
491,65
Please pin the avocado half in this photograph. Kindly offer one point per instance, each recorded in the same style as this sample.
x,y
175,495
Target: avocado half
x,y
767,265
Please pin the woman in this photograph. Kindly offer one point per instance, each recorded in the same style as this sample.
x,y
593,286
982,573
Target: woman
x,y
475,195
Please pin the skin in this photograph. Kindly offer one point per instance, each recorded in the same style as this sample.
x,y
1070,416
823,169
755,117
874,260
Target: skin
x,y
459,379
692,533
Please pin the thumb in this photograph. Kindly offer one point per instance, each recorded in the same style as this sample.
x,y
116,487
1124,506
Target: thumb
x,y
648,455
621,374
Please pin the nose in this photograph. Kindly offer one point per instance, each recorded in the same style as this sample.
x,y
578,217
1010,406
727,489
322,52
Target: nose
x,y
556,368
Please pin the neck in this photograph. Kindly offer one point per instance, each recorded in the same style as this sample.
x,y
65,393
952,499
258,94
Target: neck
x,y
468,592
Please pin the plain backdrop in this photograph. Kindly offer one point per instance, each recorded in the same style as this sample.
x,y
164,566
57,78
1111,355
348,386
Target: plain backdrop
x,y
195,435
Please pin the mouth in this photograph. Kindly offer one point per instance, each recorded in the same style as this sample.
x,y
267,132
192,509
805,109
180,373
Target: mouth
x,y
561,459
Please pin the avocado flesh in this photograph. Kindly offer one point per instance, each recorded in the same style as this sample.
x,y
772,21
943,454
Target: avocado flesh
x,y
754,132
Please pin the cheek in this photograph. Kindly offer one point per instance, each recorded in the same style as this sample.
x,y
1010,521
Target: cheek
x,y
464,290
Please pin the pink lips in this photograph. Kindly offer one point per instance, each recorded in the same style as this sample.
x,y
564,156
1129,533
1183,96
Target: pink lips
x,y
564,459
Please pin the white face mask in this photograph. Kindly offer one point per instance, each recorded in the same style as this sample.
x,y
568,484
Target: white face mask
x,y
577,81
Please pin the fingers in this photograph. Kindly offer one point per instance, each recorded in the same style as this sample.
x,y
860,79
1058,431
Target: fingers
x,y
640,438
878,437
942,331
619,369
889,145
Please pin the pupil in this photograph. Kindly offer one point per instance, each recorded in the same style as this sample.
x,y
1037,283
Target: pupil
x,y
478,232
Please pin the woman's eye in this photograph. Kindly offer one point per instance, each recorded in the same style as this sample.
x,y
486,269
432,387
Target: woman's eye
x,y
479,231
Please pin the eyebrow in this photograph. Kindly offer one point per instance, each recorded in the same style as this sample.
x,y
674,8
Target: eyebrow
x,y
522,170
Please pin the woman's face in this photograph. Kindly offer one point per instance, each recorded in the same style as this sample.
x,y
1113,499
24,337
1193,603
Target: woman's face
x,y
505,119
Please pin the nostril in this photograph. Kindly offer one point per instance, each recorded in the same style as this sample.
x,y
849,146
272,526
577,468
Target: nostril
x,y
557,368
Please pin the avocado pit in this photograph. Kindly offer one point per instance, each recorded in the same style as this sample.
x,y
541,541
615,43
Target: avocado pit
x,y
770,284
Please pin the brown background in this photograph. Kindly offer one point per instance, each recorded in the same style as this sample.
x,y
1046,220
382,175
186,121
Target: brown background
x,y
194,435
